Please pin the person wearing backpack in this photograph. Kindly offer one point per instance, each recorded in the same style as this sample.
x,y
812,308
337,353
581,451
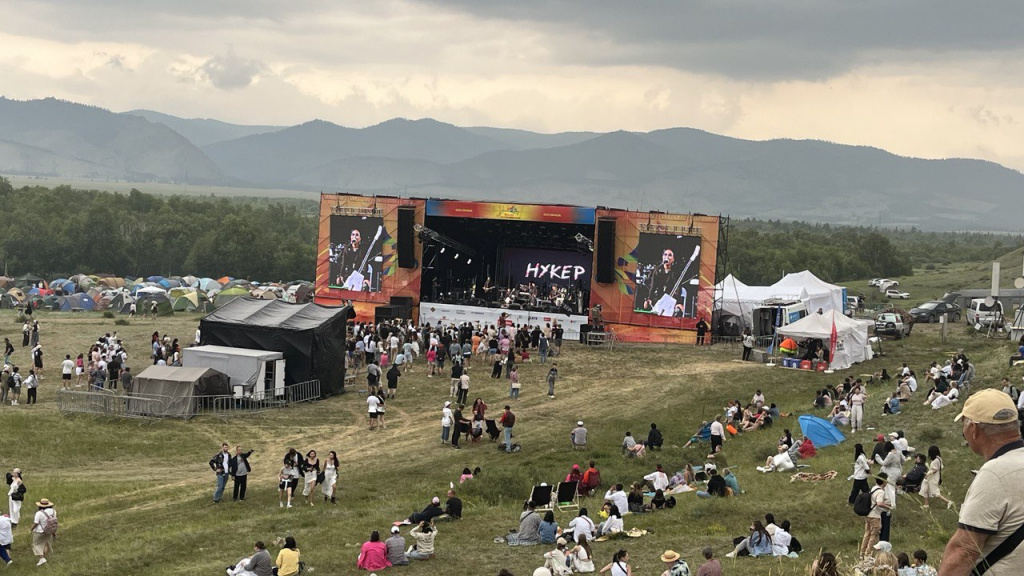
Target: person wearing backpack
x,y
44,530
873,518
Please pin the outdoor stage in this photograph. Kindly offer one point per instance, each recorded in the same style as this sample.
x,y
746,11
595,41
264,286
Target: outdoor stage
x,y
457,314
650,274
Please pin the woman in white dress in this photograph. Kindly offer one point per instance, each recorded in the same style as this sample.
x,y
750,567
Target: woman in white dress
x,y
15,496
310,471
330,476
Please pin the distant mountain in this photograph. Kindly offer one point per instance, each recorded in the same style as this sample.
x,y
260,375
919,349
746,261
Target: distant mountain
x,y
203,131
280,158
59,138
676,169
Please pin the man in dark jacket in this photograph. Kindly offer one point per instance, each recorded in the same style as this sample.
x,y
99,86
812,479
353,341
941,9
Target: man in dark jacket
x,y
239,469
654,438
220,464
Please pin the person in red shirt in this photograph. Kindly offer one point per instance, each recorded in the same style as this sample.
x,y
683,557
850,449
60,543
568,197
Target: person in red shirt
x,y
508,421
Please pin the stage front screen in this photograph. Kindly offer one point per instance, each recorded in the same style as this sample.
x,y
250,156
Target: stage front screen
x,y
667,275
563,268
356,253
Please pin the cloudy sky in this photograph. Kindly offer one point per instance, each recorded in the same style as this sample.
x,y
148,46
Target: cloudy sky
x,y
930,78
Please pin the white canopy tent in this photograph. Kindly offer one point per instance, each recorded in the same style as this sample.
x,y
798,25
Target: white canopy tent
x,y
739,299
852,344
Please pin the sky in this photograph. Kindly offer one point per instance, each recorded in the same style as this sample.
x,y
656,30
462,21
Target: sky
x,y
925,78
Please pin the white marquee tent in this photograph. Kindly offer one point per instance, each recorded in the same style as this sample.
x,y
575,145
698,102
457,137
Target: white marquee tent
x,y
739,299
852,343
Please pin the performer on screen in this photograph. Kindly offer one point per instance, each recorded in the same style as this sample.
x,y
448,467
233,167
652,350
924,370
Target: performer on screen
x,y
661,281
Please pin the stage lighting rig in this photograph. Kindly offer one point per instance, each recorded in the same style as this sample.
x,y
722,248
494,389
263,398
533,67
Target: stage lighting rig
x,y
426,234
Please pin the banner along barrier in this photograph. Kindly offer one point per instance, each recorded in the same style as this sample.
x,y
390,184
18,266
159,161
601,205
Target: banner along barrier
x,y
457,314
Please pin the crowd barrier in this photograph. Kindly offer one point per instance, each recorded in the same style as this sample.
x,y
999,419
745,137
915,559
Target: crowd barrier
x,y
118,403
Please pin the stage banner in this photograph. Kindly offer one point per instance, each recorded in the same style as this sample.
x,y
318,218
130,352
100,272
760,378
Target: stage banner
x,y
546,268
665,270
357,255
499,211
457,314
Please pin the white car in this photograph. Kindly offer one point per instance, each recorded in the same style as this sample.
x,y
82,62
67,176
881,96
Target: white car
x,y
876,281
892,293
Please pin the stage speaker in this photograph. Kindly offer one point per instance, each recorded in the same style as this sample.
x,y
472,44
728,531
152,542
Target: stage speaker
x,y
381,313
605,251
401,301
406,237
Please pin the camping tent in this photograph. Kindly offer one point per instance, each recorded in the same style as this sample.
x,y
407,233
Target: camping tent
x,y
852,344
228,295
178,386
311,336
74,303
820,431
187,302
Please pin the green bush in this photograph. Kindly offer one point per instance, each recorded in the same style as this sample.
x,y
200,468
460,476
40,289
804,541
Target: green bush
x,y
108,314
122,322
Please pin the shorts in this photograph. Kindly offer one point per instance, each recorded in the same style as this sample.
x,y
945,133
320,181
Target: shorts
x,y
373,415
716,442
65,376
79,371
292,483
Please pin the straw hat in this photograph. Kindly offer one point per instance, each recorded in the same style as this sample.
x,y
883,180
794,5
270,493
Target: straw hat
x,y
44,503
670,556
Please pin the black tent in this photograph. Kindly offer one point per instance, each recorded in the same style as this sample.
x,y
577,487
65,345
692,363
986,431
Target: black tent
x,y
311,337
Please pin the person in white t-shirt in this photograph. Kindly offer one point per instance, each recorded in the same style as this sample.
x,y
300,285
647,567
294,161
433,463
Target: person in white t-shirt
x,y
67,368
42,543
372,402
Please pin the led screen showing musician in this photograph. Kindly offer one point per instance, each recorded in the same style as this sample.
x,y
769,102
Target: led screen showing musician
x,y
356,253
667,274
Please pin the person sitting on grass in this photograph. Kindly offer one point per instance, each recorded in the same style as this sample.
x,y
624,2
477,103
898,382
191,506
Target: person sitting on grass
x,y
557,561
716,484
941,400
892,405
425,534
574,475
759,543
374,554
635,498
654,438
807,449
780,462
685,476
703,432
659,502
548,529
528,533
433,510
613,525
631,447
731,482
911,483
757,420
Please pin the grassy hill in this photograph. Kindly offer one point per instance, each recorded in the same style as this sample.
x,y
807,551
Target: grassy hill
x,y
135,497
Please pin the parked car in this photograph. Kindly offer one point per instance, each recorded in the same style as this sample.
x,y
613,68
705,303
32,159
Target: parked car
x,y
980,313
876,281
933,310
893,293
892,324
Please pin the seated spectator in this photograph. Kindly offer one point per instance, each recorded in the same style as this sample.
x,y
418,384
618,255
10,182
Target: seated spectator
x,y
574,474
825,565
467,474
759,418
819,400
657,480
618,497
396,548
921,564
659,502
758,399
578,436
807,449
433,510
423,549
704,432
903,566
613,525
773,412
654,438
759,543
374,554
943,400
912,481
781,539
732,482
528,533
582,556
716,484
840,415
631,447
711,565
905,392
453,506
892,405
548,529
557,561
582,527
259,564
635,499
591,480
780,462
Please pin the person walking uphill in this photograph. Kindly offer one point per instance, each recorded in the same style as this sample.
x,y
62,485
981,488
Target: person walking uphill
x,y
44,530
993,510
552,377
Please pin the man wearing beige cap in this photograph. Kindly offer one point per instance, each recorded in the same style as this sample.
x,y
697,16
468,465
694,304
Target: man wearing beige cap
x,y
993,510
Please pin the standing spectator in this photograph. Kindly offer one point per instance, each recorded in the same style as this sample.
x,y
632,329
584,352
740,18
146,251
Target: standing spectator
x,y
37,358
394,373
44,529
66,368
6,539
542,348
8,350
127,380
717,436
395,547
463,395
461,425
552,377
372,405
34,340
446,421
514,385
220,464
993,507
26,331
857,399
79,370
32,384
508,421
239,469
16,390
372,377
15,495
748,346
288,558
861,471
702,330
873,521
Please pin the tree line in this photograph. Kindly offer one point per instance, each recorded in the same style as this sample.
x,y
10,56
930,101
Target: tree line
x,y
62,231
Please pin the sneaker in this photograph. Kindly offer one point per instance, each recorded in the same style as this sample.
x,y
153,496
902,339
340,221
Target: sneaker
x,y
228,571
281,504
289,506
41,562
730,555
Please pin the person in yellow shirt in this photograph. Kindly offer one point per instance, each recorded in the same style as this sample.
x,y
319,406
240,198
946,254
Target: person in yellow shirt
x,y
288,558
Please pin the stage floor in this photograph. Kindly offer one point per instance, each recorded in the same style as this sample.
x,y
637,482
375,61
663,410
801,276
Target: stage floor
x,y
456,313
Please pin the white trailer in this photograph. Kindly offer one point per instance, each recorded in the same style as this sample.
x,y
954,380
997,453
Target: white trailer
x,y
258,374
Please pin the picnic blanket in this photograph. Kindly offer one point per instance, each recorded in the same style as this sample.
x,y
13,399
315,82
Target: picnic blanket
x,y
813,477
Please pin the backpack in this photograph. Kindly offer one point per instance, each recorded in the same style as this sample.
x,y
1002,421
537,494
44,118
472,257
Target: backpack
x,y
51,525
863,504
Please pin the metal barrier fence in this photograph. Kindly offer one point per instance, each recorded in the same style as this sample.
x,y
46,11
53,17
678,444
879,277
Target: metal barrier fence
x,y
102,402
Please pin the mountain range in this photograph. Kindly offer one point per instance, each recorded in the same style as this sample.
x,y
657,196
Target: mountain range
x,y
676,169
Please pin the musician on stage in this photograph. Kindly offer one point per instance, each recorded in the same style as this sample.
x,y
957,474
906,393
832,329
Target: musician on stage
x,y
661,281
351,257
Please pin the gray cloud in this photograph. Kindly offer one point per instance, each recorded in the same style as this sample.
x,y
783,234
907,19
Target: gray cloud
x,y
759,39
230,72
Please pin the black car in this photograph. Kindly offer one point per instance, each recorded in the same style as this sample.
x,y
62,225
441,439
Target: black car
x,y
932,311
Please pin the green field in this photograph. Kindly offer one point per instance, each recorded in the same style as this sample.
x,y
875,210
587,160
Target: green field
x,y
135,497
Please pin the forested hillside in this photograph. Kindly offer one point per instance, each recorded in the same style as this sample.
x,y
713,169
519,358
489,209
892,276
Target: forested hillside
x,y
64,231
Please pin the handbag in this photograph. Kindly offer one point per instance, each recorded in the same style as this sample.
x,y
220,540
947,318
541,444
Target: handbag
x,y
320,478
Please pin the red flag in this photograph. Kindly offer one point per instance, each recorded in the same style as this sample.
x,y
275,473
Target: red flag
x,y
832,342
